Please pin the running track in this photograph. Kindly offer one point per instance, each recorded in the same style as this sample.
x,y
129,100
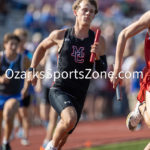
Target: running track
x,y
88,134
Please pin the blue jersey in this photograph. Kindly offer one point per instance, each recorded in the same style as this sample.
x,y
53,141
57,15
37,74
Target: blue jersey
x,y
14,85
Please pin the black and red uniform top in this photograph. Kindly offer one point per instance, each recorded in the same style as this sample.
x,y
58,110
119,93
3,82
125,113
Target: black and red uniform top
x,y
73,63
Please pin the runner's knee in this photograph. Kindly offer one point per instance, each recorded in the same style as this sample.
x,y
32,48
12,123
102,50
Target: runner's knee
x,y
70,122
10,110
8,115
69,119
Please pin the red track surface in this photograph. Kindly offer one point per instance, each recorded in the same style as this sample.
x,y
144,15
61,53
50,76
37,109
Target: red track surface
x,y
88,134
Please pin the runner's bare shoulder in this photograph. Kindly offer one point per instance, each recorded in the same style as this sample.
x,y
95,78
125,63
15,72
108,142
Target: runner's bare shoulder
x,y
55,38
58,35
145,19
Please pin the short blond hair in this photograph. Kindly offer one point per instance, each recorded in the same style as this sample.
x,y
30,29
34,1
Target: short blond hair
x,y
92,2
21,32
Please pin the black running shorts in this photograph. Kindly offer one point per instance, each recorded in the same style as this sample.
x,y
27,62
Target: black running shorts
x,y
60,99
25,102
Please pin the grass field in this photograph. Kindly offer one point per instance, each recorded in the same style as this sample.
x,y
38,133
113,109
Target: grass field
x,y
134,145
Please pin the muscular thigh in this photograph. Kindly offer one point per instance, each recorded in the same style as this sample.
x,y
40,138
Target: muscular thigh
x,y
60,99
69,113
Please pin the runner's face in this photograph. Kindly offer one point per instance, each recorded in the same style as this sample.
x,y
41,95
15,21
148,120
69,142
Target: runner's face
x,y
85,13
11,46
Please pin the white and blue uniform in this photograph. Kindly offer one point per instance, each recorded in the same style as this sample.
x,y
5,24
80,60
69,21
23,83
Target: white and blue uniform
x,y
12,89
50,68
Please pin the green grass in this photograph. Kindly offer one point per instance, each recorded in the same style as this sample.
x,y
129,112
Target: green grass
x,y
134,145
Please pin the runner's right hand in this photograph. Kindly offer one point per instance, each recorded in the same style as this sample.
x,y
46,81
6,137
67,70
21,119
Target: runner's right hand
x,y
4,79
31,78
115,79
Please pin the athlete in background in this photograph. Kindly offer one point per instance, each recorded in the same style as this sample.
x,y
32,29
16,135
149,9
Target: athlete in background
x,y
11,91
75,44
142,109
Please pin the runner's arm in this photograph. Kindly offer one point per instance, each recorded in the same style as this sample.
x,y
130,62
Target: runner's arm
x,y
130,31
101,61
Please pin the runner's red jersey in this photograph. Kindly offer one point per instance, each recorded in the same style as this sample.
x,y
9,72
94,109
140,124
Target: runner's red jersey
x,y
145,81
147,50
